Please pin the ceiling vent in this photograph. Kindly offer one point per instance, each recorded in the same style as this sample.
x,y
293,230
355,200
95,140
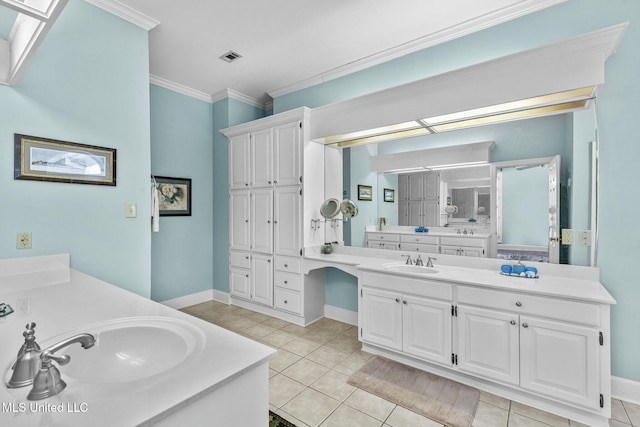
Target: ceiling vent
x,y
230,56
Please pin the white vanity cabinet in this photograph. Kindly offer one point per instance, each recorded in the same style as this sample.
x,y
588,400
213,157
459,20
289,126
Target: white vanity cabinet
x,y
276,184
546,345
383,241
547,348
418,243
401,320
464,246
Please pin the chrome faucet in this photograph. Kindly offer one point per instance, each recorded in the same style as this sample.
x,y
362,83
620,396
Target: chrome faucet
x,y
419,261
47,381
430,261
408,259
27,361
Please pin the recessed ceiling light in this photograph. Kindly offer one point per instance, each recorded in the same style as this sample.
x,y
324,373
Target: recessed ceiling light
x,y
230,56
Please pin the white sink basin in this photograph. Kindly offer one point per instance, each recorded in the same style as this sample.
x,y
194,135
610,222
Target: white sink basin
x,y
414,269
130,349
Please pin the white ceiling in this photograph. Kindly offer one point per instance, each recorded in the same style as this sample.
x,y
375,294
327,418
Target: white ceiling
x,y
290,44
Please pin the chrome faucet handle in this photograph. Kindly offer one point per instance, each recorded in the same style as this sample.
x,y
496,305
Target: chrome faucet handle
x,y
408,259
419,261
48,381
27,362
430,261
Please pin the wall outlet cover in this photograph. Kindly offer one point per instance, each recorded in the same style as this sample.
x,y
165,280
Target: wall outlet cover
x,y
584,237
567,236
23,240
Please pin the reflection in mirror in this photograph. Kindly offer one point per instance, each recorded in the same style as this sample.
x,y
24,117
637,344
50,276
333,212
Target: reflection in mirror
x,y
567,135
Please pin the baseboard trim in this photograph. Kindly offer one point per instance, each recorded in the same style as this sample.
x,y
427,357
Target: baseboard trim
x,y
341,314
624,389
191,299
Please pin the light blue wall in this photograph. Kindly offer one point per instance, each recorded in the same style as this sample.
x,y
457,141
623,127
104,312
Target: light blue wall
x,y
181,146
7,18
617,111
227,112
87,83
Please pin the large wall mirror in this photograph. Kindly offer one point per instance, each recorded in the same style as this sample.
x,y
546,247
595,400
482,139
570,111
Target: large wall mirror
x,y
508,197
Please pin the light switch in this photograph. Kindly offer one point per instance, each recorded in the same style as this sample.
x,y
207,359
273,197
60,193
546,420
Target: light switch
x,y
131,210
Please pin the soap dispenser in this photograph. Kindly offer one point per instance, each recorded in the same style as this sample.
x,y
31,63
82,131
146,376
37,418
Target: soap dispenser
x,y
28,360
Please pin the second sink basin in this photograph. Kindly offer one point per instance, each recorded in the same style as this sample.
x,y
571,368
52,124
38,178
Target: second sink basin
x,y
130,349
407,268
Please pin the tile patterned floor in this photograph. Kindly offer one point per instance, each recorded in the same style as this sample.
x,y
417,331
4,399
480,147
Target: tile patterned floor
x,y
308,378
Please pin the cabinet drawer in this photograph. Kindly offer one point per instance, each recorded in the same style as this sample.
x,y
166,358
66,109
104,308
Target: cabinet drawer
x,y
415,238
287,300
288,281
417,247
288,264
240,259
463,241
385,237
409,285
549,307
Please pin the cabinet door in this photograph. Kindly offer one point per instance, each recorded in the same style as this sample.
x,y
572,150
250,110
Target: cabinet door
x,y
415,212
450,250
427,329
262,220
287,221
488,343
239,210
431,213
240,283
403,187
560,360
287,150
262,279
431,189
403,212
239,153
262,158
382,318
416,186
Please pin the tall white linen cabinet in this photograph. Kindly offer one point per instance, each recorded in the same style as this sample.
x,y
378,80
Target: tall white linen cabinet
x,y
276,187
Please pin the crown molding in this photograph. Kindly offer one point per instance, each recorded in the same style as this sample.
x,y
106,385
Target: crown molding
x,y
127,13
448,34
181,89
230,93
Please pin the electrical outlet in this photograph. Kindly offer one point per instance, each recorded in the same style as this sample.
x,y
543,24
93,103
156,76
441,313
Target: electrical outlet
x,y
584,237
23,240
567,236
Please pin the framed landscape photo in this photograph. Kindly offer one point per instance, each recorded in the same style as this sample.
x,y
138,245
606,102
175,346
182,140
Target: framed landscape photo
x,y
365,192
389,195
43,159
174,195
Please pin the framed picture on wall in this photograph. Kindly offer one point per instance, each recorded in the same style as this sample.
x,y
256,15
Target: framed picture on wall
x,y
174,195
43,159
365,192
389,195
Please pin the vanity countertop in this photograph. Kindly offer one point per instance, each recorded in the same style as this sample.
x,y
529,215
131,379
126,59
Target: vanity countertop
x,y
438,233
64,300
563,281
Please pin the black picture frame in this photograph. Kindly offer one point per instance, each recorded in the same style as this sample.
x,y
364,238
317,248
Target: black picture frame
x,y
174,195
389,195
365,192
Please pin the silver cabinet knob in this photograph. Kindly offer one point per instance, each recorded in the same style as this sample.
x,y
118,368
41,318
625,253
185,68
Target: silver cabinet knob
x,y
518,304
525,325
285,282
285,301
397,299
286,265
513,322
404,301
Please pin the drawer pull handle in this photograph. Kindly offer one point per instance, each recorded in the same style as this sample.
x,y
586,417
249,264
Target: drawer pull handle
x,y
397,299
518,304
404,301
513,322
525,325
